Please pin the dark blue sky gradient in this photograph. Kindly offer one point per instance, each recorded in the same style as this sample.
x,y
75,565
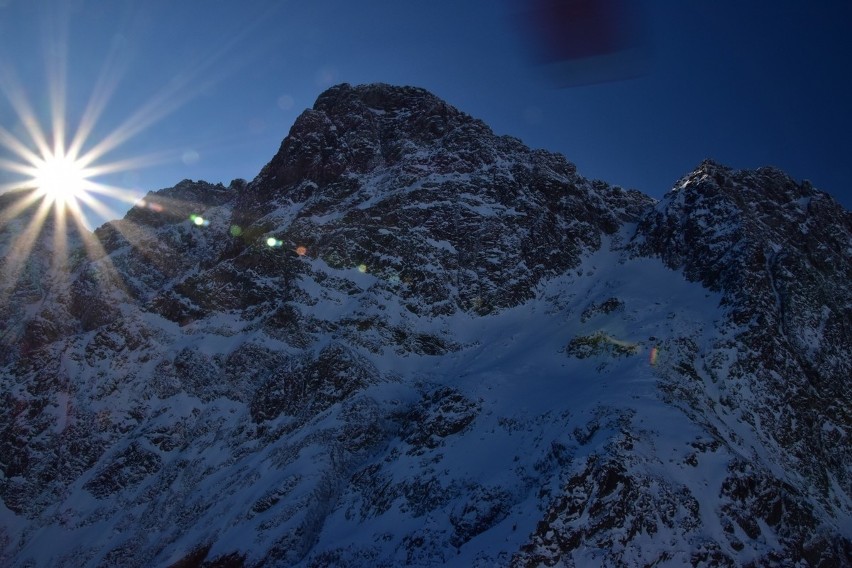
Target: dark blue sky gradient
x,y
745,83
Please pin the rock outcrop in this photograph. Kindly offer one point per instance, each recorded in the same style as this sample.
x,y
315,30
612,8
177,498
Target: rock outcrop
x,y
409,341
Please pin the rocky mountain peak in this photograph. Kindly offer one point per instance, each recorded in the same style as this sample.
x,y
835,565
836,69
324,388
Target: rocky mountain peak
x,y
42,248
717,211
358,130
767,185
779,252
746,233
380,98
399,181
413,113
409,341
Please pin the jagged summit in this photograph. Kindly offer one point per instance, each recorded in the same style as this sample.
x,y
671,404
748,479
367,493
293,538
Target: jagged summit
x,y
771,184
357,130
777,250
381,98
409,341
397,180
716,211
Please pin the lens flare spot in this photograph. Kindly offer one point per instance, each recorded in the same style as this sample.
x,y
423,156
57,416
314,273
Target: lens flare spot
x,y
190,157
236,230
362,268
273,242
153,206
301,251
654,354
286,102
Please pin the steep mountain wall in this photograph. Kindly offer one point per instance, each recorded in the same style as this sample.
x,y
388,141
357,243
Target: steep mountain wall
x,y
409,341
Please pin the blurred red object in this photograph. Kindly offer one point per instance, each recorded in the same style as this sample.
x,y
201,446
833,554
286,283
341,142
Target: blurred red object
x,y
580,42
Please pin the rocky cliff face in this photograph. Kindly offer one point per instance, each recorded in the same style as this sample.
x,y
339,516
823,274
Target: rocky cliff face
x,y
416,191
409,341
779,253
42,293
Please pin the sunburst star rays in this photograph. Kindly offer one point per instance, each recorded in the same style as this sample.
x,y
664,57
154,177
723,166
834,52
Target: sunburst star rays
x,y
59,167
64,168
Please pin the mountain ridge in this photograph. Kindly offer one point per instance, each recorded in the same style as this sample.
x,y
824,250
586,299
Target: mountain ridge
x,y
409,341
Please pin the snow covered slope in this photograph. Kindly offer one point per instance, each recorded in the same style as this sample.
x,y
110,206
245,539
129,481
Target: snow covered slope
x,y
409,341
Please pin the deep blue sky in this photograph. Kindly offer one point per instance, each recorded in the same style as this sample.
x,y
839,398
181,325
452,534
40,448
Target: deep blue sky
x,y
745,83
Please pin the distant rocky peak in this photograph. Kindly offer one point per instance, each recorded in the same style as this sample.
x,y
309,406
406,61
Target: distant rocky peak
x,y
722,226
406,112
326,366
354,131
176,204
707,171
410,113
398,181
744,187
379,98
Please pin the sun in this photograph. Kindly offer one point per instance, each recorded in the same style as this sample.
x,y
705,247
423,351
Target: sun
x,y
60,178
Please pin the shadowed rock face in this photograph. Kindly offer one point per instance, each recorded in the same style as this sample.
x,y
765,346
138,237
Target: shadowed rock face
x,y
409,341
777,249
779,253
40,253
416,191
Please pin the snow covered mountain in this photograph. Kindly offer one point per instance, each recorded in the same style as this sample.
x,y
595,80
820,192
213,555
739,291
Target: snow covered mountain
x,y
409,341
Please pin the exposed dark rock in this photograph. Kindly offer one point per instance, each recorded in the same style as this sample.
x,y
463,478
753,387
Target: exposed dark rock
x,y
779,253
312,386
130,467
359,358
